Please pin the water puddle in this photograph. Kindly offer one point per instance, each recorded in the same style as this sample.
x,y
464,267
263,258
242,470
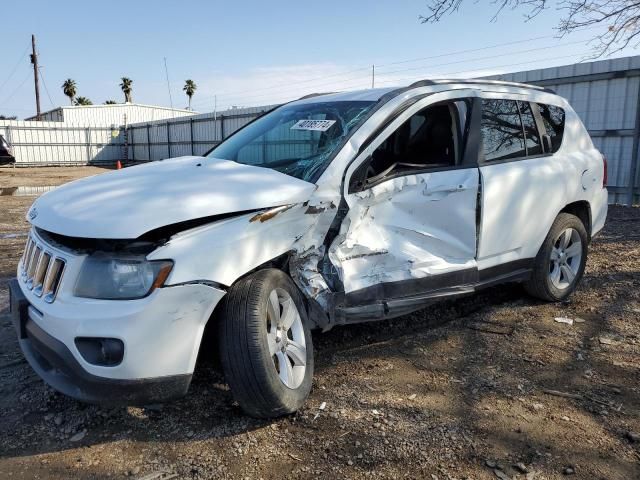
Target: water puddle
x,y
13,235
25,191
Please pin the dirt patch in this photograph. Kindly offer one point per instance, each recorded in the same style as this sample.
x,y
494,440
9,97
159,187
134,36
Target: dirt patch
x,y
482,387
44,176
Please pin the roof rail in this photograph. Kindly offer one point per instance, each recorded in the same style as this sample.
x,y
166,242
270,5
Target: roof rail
x,y
311,95
478,81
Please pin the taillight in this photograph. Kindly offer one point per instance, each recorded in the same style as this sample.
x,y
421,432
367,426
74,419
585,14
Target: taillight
x,y
605,175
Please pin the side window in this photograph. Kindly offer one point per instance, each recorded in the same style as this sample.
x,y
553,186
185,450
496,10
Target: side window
x,y
531,134
431,138
502,135
553,119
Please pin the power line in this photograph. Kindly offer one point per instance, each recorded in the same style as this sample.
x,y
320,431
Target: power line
x,y
16,90
24,54
361,78
338,74
507,44
445,74
482,58
236,94
45,87
239,93
166,72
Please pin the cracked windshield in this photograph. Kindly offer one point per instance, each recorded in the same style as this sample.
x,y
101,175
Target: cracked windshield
x,y
298,140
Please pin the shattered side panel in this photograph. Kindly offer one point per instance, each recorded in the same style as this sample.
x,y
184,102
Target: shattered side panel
x,y
407,228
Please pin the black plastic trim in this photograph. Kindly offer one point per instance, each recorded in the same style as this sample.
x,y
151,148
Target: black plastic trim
x,y
388,300
411,287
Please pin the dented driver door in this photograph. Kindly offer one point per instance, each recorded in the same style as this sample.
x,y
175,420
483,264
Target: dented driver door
x,y
411,223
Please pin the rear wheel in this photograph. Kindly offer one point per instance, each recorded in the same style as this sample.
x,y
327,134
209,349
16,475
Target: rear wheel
x,y
560,263
265,345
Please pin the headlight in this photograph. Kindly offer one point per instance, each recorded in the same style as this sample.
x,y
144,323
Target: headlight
x,y
120,278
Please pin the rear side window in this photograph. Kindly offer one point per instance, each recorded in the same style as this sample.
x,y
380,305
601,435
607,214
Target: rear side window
x,y
502,134
553,120
531,135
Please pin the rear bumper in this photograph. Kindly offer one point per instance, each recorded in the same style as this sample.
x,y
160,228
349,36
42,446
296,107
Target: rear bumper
x,y
55,363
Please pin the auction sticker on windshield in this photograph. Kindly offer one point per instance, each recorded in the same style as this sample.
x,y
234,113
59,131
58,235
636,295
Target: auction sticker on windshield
x,y
315,125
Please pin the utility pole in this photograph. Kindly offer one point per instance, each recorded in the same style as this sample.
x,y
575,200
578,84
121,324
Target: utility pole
x,y
373,76
34,61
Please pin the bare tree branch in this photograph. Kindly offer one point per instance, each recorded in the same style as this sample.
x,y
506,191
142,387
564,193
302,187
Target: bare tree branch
x,y
619,19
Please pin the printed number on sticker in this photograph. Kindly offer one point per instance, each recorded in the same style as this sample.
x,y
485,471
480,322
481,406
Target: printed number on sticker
x,y
315,125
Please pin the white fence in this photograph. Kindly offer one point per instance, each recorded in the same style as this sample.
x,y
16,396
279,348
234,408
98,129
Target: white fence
x,y
55,143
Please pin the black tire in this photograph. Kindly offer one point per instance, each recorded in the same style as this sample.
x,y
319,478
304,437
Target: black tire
x,y
244,350
540,284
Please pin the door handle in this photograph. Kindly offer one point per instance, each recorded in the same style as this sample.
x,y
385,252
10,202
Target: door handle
x,y
440,193
447,189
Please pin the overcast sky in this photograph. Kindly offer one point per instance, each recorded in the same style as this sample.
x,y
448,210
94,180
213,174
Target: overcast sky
x,y
254,52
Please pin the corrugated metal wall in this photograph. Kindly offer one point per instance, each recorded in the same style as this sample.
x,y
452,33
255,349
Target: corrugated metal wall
x,y
192,136
606,95
53,143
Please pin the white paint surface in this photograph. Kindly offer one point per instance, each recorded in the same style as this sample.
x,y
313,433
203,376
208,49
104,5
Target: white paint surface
x,y
129,202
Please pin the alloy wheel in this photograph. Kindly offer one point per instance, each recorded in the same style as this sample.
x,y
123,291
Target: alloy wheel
x,y
566,256
285,336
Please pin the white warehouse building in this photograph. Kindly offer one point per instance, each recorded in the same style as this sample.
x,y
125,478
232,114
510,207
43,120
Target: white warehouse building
x,y
111,114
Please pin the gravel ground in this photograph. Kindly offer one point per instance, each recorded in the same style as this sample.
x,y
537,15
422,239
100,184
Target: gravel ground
x,y
490,386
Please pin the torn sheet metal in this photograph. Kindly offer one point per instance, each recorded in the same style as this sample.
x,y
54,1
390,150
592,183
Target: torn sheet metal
x,y
408,227
252,240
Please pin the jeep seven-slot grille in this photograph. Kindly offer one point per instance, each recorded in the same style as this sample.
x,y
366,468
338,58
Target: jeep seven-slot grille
x,y
41,270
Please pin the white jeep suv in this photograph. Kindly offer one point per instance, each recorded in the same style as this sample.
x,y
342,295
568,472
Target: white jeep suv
x,y
329,210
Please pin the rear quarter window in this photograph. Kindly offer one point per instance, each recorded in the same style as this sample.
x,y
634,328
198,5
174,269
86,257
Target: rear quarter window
x,y
553,119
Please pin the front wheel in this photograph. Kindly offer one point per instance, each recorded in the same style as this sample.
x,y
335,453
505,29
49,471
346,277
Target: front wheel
x,y
265,344
561,260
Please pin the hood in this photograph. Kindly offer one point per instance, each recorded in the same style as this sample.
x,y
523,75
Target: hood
x,y
127,203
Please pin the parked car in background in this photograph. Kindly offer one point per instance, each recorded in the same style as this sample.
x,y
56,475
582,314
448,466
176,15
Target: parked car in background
x,y
329,210
6,152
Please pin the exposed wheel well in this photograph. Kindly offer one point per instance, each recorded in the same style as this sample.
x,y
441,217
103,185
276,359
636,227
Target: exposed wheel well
x,y
582,210
208,350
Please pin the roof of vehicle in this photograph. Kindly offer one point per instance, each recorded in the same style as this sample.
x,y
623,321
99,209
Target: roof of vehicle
x,y
375,94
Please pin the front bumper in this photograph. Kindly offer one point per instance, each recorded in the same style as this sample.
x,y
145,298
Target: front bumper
x,y
166,358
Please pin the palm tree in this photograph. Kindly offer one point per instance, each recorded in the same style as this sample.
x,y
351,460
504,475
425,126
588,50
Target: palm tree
x,y
83,101
69,89
126,89
110,102
189,88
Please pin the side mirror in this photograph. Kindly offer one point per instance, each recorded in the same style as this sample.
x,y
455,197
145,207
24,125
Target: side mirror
x,y
546,142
